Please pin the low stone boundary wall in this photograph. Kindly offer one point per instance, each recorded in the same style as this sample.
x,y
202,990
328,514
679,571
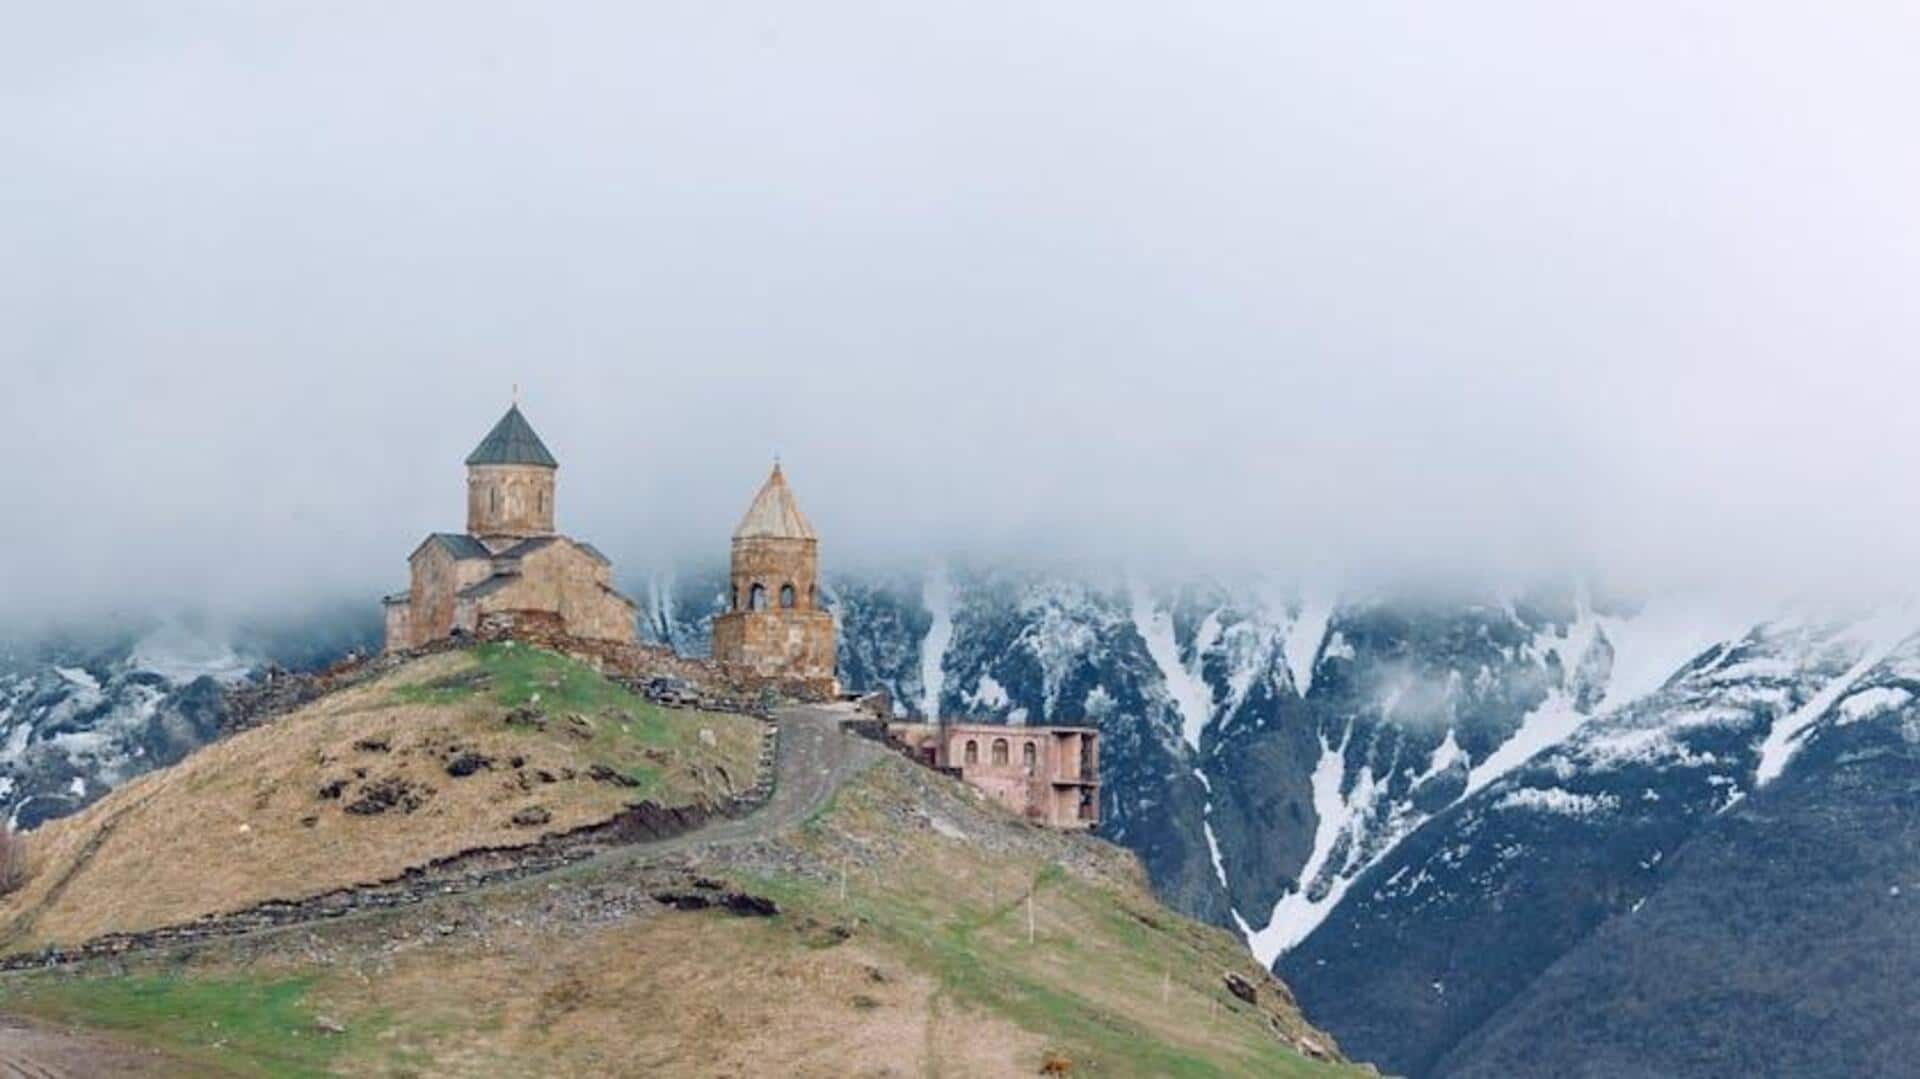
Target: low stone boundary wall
x,y
653,672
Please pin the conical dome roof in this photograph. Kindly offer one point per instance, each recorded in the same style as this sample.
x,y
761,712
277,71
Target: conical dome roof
x,y
774,513
512,442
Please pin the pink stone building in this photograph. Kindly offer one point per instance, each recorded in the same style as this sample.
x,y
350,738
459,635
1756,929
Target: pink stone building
x,y
1050,775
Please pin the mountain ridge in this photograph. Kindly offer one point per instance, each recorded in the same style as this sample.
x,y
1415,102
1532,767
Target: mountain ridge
x,y
1342,743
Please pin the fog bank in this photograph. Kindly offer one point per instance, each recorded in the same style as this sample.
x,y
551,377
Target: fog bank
x,y
1381,292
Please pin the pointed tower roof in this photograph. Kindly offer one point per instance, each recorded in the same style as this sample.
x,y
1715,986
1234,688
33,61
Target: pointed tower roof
x,y
774,513
512,442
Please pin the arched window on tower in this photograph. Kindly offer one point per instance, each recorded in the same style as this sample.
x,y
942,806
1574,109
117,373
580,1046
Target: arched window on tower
x,y
811,601
973,753
733,600
493,499
1000,751
1029,757
543,503
757,597
786,597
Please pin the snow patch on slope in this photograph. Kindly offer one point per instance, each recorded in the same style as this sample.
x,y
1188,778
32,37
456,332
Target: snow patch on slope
x,y
1445,755
1298,912
1662,637
180,656
1555,800
660,589
1304,637
79,679
1558,716
988,693
1213,849
1192,697
1878,636
1871,702
937,593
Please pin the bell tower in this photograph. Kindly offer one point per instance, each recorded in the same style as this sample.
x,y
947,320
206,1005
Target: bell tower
x,y
510,482
773,626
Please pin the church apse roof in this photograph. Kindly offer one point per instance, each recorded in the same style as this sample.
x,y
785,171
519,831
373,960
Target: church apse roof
x,y
512,442
774,514
458,544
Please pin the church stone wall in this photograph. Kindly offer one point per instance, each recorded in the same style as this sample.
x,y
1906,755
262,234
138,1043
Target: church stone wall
x,y
559,578
776,643
766,638
562,578
772,564
510,487
436,578
400,626
510,500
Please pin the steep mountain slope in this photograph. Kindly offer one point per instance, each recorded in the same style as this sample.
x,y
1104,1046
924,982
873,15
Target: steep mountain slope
x,y
1458,922
72,733
82,713
1779,939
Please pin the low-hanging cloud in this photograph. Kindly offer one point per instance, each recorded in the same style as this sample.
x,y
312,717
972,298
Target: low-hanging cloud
x,y
1378,288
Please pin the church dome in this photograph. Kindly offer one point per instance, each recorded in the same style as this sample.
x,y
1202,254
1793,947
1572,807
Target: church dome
x,y
774,513
512,442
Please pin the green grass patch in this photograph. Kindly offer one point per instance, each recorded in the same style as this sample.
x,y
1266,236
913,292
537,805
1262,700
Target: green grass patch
x,y
621,729
232,1025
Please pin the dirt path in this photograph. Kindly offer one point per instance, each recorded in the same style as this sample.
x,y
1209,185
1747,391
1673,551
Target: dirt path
x,y
815,757
30,1050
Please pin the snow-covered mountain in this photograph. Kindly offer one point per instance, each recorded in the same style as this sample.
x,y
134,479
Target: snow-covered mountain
x,y
1450,822
1419,809
81,713
1263,747
1661,831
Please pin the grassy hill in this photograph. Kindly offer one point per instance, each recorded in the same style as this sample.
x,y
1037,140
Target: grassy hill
x,y
490,747
901,926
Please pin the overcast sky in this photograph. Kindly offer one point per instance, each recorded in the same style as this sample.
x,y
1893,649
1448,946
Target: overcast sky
x,y
1475,287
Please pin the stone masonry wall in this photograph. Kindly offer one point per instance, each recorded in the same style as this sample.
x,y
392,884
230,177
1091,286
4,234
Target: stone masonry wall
x,y
562,578
776,643
509,500
772,563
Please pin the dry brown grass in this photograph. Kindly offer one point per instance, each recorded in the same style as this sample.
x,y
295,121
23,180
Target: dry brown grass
x,y
924,966
245,820
673,994
1112,980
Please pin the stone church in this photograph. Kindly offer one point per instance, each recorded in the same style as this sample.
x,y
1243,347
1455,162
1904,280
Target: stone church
x,y
509,561
773,626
